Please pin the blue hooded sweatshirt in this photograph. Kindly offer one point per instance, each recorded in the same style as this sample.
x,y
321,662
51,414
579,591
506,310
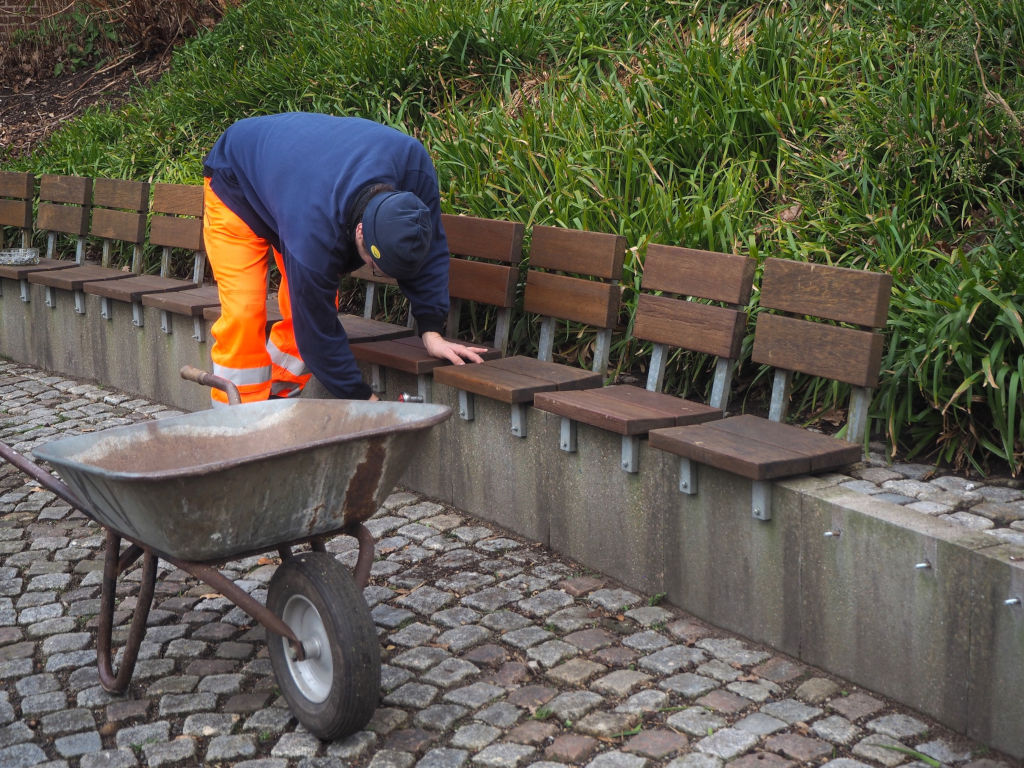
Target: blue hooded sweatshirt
x,y
294,178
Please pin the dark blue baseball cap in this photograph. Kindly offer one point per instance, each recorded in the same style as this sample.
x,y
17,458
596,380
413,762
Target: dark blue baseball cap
x,y
396,232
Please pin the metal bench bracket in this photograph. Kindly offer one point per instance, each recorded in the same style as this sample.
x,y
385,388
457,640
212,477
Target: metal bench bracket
x,y
467,412
138,314
567,435
519,419
761,500
198,329
687,477
377,385
165,321
26,294
423,387
630,453
51,297
105,308
80,302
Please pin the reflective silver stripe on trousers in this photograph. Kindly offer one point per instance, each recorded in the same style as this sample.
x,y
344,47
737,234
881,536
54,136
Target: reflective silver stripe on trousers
x,y
241,377
285,389
290,363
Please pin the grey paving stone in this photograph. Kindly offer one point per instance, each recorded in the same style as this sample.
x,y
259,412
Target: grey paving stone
x,y
573,705
791,711
503,755
644,702
545,603
67,720
474,695
727,743
439,717
391,758
696,721
732,651
421,659
696,760
944,751
412,695
689,685
501,714
21,756
449,672
668,661
78,744
836,729
552,652
109,758
443,758
475,736
526,637
461,638
614,599
897,726
879,749
760,724
230,747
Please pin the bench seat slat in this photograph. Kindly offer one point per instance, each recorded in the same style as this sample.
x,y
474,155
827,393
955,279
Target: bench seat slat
x,y
756,448
132,289
22,271
407,354
515,379
74,278
361,329
625,409
190,303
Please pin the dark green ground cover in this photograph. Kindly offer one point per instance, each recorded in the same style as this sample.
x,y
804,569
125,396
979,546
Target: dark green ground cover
x,y
884,135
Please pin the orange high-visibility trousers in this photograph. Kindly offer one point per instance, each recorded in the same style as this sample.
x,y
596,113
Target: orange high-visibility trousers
x,y
242,352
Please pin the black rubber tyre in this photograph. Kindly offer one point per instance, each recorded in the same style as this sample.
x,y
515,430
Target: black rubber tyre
x,y
334,691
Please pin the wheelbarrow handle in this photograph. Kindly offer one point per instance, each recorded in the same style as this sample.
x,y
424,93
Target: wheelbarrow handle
x,y
41,476
207,379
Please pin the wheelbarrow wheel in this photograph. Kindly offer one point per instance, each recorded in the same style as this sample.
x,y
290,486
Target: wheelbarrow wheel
x,y
333,692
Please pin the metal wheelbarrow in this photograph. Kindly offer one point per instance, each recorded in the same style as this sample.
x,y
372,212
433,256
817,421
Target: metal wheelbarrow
x,y
203,488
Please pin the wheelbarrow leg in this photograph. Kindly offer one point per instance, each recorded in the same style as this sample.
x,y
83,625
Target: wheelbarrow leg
x,y
113,564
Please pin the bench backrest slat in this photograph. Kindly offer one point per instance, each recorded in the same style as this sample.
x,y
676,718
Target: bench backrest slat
x,y
571,298
482,282
16,193
723,277
845,295
705,328
64,204
849,355
119,210
594,254
167,228
490,239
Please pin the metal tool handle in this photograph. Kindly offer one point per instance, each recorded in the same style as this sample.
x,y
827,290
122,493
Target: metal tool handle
x,y
207,379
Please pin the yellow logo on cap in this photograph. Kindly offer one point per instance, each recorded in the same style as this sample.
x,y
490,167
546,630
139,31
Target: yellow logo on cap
x,y
374,251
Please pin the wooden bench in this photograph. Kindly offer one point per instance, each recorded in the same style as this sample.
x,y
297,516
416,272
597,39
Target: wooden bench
x,y
483,269
64,208
17,195
844,345
665,317
365,328
573,276
119,211
176,225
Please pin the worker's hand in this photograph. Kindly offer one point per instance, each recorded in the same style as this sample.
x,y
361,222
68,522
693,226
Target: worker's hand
x,y
373,399
457,354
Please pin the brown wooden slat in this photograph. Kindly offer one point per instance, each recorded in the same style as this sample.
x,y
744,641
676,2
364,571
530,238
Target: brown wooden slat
x,y
176,233
721,277
118,225
571,298
178,199
133,288
481,281
361,330
835,293
21,271
729,452
822,451
491,239
72,190
844,354
705,328
17,184
494,383
625,409
366,274
407,354
120,193
74,278
70,219
190,303
564,377
597,254
16,213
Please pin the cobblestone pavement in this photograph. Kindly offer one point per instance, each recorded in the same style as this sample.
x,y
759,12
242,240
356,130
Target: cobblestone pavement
x,y
497,654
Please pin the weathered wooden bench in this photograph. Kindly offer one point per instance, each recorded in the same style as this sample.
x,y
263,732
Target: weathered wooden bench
x,y
17,197
573,276
666,317
365,327
64,208
843,345
176,225
119,212
483,269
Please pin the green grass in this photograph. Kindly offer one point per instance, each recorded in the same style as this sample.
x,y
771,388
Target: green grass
x,y
884,135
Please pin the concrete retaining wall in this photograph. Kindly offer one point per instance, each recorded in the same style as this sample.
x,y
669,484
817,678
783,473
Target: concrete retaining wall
x,y
938,638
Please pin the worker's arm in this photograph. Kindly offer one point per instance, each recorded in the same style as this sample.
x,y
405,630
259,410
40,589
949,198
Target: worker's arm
x,y
319,334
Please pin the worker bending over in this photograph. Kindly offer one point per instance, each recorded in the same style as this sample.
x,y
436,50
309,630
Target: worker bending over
x,y
326,195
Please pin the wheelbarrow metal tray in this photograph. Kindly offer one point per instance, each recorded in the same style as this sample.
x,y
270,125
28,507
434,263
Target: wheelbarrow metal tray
x,y
215,484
